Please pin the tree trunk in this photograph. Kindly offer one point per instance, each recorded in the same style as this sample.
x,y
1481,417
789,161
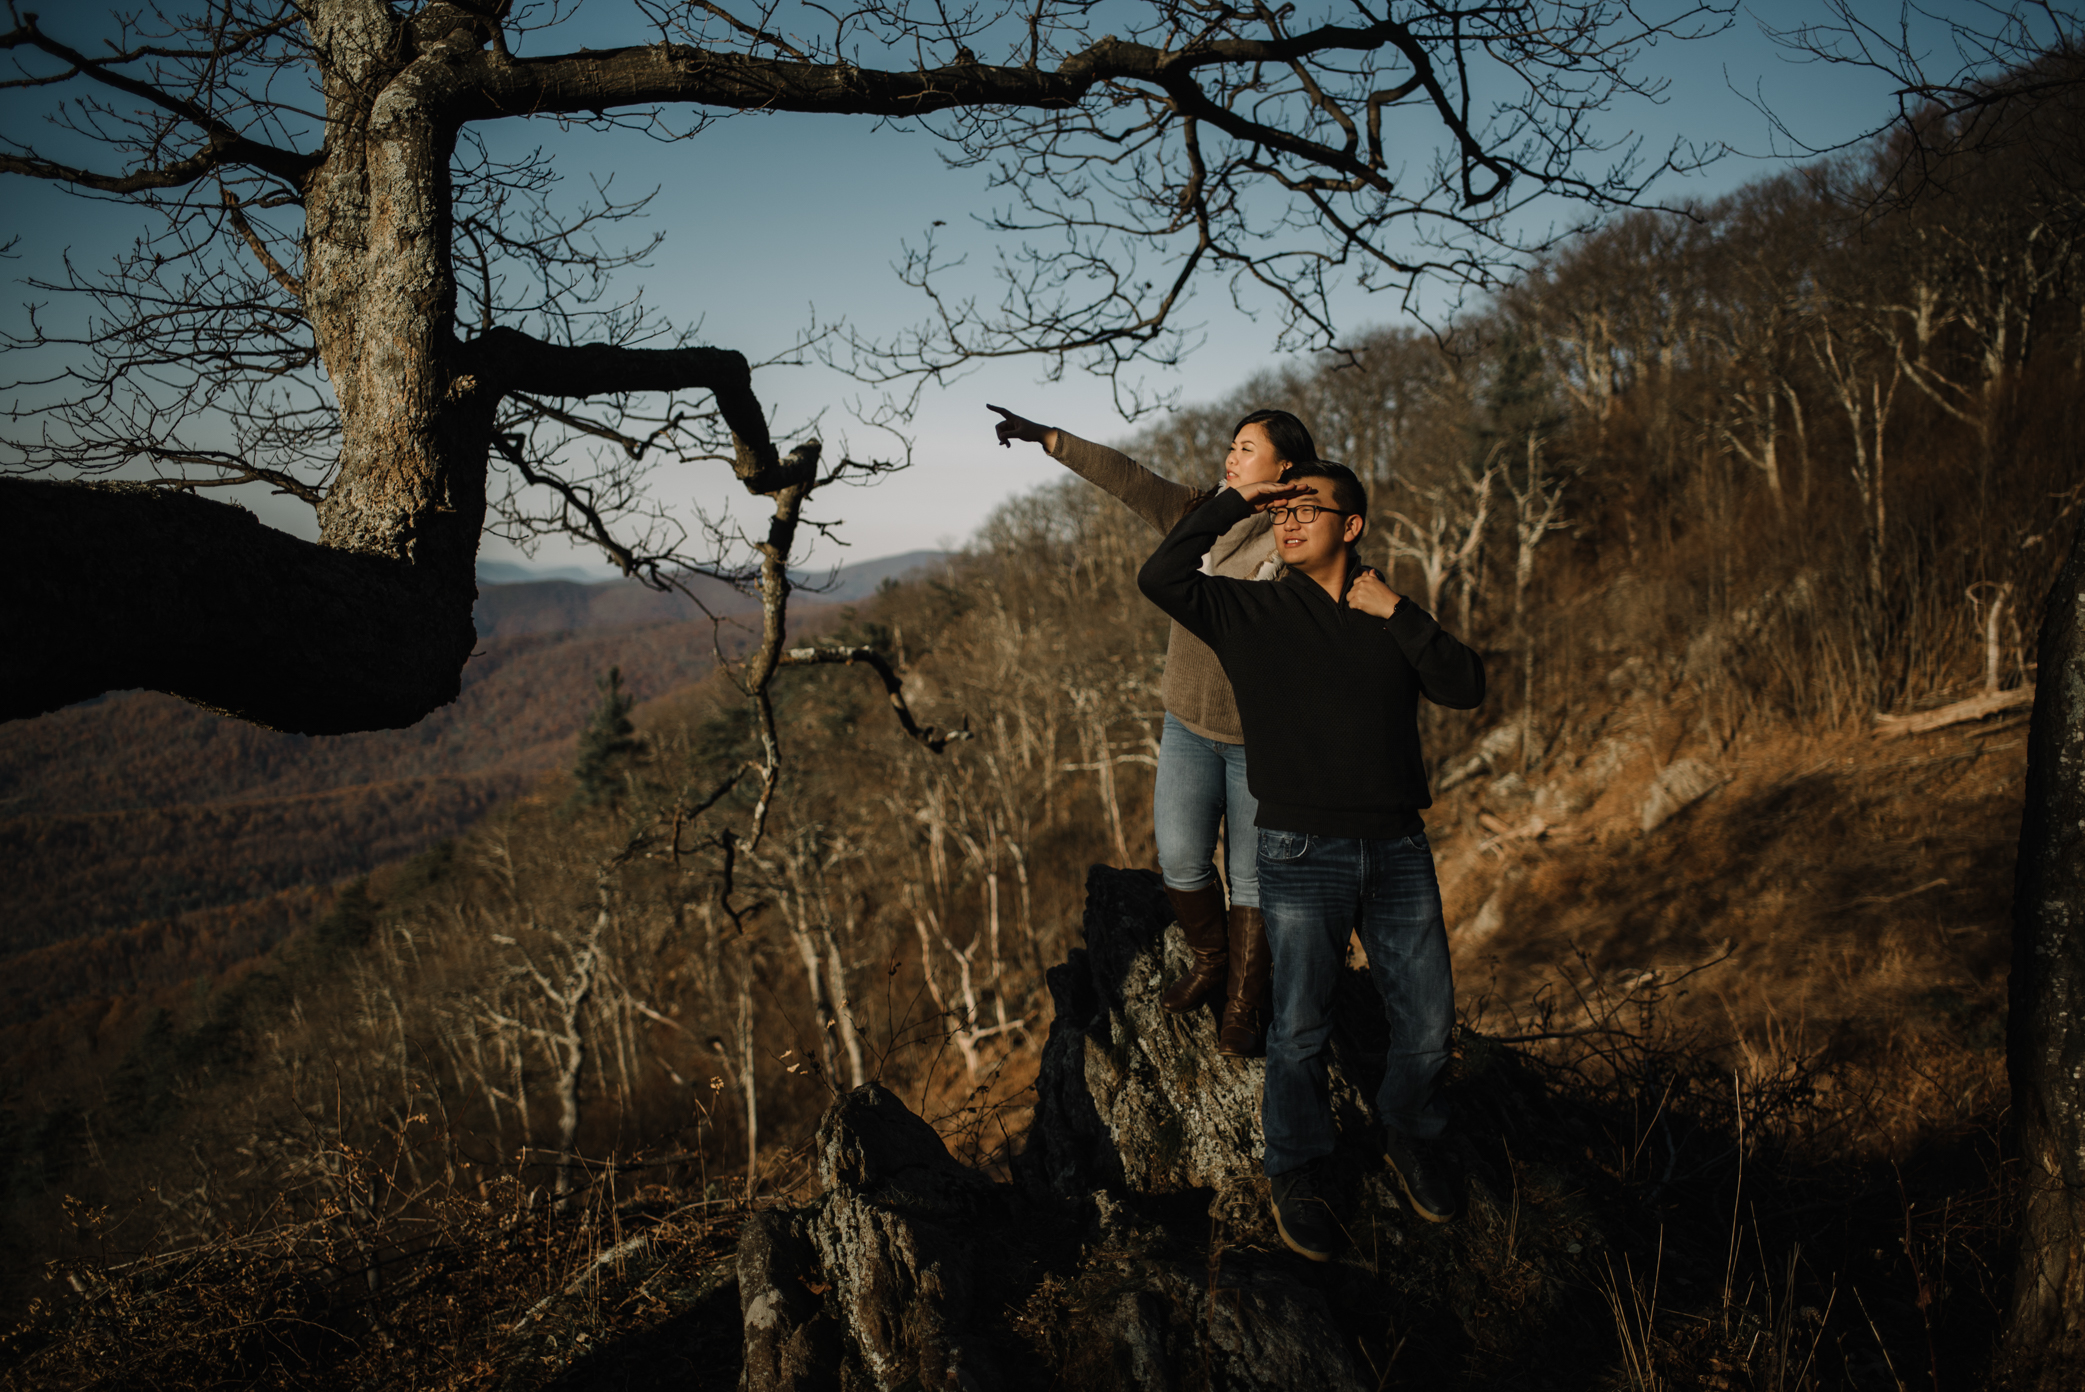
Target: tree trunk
x,y
2045,1036
836,982
824,995
572,1059
258,624
380,290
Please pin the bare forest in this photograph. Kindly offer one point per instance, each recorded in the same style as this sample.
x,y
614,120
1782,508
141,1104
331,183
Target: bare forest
x,y
1752,511
1755,509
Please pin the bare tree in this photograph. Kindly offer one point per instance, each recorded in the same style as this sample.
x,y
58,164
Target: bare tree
x,y
1538,500
547,995
1752,309
2000,61
1618,308
806,895
1444,543
384,311
1857,354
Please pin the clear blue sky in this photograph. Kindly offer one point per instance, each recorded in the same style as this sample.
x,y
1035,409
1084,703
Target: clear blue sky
x,y
831,202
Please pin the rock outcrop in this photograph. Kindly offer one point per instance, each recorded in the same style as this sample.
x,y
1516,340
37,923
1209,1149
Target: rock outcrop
x,y
1678,786
1132,1097
874,1286
1133,1249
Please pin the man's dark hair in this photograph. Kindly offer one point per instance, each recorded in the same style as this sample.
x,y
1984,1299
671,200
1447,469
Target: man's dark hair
x,y
1347,490
1291,441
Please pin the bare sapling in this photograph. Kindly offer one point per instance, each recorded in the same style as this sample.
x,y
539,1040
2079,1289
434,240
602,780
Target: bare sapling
x,y
1538,499
1444,544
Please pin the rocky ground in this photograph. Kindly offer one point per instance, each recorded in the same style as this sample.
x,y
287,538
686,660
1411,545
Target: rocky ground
x,y
1133,1248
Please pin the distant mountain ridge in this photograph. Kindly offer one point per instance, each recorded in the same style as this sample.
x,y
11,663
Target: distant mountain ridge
x,y
542,602
510,573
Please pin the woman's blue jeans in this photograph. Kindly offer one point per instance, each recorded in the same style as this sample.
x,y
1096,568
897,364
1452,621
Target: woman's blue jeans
x,y
1202,782
1316,891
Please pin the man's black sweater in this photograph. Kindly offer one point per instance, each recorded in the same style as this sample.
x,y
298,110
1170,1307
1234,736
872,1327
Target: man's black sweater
x,y
1328,696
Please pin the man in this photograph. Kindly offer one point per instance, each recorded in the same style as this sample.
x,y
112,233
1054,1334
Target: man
x,y
1328,665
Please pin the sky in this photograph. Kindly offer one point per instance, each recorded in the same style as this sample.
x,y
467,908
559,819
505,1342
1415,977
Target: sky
x,y
773,220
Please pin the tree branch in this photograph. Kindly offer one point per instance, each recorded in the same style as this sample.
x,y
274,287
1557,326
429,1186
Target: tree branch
x,y
679,73
225,144
931,736
176,175
122,585
512,361
259,248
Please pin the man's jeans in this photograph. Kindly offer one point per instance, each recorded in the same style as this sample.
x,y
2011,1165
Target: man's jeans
x,y
1315,892
1202,781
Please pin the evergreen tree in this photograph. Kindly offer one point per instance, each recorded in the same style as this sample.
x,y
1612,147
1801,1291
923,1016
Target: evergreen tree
x,y
348,927
606,745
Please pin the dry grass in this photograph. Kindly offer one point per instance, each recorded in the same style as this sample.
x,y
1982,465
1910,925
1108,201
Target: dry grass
x,y
1782,1012
499,1290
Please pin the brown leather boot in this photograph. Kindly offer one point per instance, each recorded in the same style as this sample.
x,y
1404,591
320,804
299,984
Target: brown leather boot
x,y
1248,1001
1200,912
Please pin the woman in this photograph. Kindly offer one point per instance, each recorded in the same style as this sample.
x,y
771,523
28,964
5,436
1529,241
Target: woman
x,y
1201,755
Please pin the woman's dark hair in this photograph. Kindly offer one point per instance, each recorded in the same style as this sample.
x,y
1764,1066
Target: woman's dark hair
x,y
1346,488
1292,443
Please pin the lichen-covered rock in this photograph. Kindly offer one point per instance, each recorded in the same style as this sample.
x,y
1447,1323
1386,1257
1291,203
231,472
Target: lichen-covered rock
x,y
897,1240
1130,1095
906,1272
791,1345
874,1286
1678,786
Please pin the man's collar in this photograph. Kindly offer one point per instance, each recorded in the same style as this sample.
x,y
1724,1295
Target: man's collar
x,y
1354,569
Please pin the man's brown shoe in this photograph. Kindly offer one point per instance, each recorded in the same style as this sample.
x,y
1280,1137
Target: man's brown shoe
x,y
1201,916
1245,1014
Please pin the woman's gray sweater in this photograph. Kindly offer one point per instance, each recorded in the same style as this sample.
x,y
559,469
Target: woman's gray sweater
x,y
1195,689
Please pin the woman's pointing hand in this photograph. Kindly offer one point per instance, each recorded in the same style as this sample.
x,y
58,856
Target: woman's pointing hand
x,y
1013,427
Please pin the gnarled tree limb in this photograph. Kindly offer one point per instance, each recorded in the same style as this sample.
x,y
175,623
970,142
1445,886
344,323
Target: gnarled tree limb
x,y
933,737
657,73
514,361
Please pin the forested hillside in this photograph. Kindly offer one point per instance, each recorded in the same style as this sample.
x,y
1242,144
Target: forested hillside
x,y
139,809
550,606
139,805
1718,497
149,848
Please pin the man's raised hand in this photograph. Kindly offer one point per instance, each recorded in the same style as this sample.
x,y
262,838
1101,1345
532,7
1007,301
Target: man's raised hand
x,y
1267,492
1371,595
1014,427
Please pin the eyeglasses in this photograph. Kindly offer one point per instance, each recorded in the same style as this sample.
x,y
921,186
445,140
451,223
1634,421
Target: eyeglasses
x,y
1305,513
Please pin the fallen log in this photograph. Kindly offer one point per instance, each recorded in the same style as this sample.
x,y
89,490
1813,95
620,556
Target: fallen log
x,y
1978,707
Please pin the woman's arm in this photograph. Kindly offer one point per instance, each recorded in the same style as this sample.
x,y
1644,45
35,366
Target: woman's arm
x,y
1159,501
1172,578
